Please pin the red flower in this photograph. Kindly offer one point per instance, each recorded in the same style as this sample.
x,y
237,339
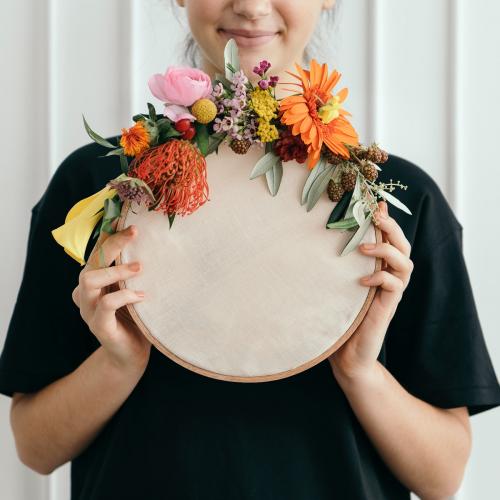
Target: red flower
x,y
176,174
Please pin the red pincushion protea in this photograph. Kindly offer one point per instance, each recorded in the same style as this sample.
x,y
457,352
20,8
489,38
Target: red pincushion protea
x,y
176,174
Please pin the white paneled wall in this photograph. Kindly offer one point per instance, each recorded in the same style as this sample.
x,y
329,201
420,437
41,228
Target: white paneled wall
x,y
423,80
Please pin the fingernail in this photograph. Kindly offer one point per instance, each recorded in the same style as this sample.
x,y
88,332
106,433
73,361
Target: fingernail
x,y
367,246
134,266
131,229
140,293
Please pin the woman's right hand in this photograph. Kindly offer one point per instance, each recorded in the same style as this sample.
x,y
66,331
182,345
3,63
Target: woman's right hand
x,y
102,303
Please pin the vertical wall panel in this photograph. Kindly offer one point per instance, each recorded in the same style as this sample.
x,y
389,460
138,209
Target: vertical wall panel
x,y
23,136
89,71
413,69
479,112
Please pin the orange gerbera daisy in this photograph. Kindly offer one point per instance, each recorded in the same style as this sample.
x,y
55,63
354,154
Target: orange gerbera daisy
x,y
135,140
316,114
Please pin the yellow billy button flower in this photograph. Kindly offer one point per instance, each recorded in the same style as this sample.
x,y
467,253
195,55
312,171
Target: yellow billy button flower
x,y
204,110
80,221
330,110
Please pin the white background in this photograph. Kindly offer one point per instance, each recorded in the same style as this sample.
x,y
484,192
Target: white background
x,y
423,79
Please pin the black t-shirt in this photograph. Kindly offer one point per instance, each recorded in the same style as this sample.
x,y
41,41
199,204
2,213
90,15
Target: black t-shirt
x,y
181,435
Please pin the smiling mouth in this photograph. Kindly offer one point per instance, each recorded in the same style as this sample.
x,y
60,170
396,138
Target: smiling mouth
x,y
249,38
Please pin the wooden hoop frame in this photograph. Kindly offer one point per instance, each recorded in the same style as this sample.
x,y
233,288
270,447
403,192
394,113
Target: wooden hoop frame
x,y
260,378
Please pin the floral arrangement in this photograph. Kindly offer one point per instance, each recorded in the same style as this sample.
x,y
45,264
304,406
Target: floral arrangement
x,y
168,167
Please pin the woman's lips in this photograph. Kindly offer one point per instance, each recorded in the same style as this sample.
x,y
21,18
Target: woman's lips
x,y
246,38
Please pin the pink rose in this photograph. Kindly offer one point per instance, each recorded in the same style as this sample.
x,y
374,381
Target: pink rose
x,y
176,113
180,85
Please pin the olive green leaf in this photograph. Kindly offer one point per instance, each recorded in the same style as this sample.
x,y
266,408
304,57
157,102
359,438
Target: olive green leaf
x,y
201,137
392,199
319,185
231,58
318,169
264,164
96,137
340,208
274,176
357,237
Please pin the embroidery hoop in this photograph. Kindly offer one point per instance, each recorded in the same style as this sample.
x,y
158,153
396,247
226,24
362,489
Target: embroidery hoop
x,y
266,349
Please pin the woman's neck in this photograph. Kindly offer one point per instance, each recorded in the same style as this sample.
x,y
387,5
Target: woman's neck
x,y
284,77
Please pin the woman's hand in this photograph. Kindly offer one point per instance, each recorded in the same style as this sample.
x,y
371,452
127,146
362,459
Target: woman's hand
x,y
358,355
102,303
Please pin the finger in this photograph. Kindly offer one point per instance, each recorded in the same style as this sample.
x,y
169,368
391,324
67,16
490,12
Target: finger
x,y
109,303
391,230
399,262
103,255
385,280
99,278
75,295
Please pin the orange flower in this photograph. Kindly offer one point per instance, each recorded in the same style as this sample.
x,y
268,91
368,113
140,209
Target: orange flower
x,y
316,114
134,140
176,173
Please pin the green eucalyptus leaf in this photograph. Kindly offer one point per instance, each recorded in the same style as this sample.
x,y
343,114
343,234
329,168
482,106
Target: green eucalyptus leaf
x,y
274,176
124,164
343,224
340,208
214,141
96,137
152,112
265,163
201,137
114,152
317,170
350,208
170,220
358,211
231,58
357,237
102,260
112,207
319,186
97,229
357,188
139,117
225,82
392,199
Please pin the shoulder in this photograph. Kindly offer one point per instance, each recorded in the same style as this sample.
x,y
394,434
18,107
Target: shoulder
x,y
81,173
432,216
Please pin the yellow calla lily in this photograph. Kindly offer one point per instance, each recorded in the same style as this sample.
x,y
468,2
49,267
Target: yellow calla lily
x,y
80,221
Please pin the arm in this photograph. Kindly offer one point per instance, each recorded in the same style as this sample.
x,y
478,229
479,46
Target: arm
x,y
55,424
426,447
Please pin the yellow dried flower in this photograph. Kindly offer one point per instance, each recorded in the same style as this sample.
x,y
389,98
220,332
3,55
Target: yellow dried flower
x,y
204,110
264,104
267,132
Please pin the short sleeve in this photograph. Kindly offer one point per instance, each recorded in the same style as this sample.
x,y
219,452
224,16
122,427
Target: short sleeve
x,y
46,337
435,345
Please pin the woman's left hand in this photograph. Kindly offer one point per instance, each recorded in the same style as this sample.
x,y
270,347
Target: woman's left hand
x,y
358,355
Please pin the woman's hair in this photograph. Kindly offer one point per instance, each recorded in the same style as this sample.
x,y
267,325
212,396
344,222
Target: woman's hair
x,y
319,45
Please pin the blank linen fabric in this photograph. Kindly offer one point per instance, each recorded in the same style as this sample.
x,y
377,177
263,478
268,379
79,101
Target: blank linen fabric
x,y
249,284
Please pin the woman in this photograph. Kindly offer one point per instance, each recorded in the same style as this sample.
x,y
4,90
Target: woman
x,y
385,414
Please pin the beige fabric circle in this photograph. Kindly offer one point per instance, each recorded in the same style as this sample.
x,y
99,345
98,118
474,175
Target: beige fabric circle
x,y
249,287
